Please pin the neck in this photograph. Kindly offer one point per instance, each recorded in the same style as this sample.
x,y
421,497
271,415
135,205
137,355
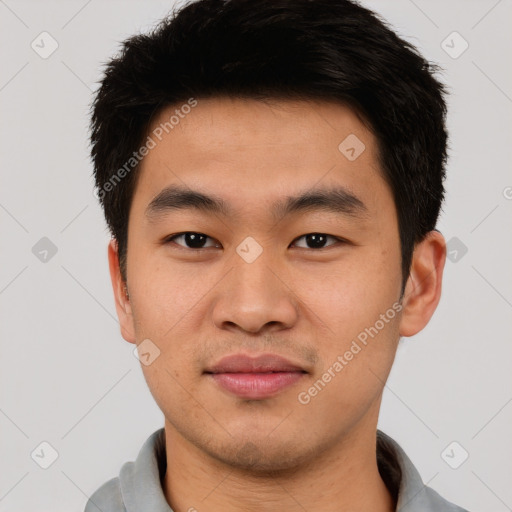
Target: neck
x,y
344,477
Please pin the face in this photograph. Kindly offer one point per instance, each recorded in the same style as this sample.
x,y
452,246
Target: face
x,y
256,271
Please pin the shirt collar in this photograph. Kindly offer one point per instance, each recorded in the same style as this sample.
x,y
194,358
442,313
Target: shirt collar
x,y
141,481
398,472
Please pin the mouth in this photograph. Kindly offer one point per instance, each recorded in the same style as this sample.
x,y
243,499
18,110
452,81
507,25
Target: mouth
x,y
255,378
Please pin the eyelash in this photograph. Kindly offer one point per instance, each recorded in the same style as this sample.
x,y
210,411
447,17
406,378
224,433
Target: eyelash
x,y
170,239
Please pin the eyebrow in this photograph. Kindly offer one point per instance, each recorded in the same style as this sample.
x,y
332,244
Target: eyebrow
x,y
338,200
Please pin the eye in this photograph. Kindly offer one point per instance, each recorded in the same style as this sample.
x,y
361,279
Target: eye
x,y
191,239
197,241
316,240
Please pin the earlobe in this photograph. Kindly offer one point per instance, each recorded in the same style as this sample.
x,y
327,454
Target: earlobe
x,y
121,295
423,288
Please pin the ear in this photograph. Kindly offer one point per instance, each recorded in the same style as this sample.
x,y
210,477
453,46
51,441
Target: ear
x,y
122,301
423,289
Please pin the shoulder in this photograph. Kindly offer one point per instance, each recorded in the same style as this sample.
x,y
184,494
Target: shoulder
x,y
107,498
429,500
399,472
138,484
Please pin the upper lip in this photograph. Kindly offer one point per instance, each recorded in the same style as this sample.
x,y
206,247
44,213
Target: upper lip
x,y
243,363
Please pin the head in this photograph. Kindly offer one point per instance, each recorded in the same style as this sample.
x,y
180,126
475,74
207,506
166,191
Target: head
x,y
303,145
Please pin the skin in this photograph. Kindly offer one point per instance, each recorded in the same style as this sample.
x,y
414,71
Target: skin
x,y
225,453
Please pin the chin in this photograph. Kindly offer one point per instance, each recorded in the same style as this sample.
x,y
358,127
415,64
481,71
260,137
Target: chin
x,y
262,458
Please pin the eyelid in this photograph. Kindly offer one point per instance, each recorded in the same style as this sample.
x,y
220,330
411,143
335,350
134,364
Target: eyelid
x,y
170,239
339,240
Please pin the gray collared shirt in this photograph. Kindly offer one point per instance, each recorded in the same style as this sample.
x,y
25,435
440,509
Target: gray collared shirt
x,y
138,487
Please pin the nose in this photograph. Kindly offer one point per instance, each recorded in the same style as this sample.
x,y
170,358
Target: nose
x,y
255,297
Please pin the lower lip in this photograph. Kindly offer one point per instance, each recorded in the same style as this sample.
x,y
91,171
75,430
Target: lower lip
x,y
256,385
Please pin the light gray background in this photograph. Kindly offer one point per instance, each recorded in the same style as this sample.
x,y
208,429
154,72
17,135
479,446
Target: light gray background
x,y
67,376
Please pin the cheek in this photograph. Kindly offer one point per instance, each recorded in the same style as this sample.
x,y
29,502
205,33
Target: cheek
x,y
163,295
172,388
350,295
354,371
356,314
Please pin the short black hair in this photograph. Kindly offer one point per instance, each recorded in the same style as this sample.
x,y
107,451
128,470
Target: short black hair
x,y
333,50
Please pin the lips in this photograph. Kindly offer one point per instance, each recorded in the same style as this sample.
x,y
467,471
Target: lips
x,y
265,363
255,378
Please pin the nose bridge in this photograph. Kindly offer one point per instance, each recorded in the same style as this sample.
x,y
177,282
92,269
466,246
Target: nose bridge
x,y
254,280
254,295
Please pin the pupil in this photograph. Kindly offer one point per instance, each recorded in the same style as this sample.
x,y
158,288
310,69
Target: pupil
x,y
195,240
316,240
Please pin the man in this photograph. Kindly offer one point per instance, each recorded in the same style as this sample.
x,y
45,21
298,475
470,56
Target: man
x,y
272,173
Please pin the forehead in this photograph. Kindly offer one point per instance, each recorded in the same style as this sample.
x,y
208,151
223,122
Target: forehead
x,y
252,152
216,123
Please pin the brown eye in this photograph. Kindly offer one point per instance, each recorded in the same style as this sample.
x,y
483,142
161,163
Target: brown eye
x,y
316,240
191,240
